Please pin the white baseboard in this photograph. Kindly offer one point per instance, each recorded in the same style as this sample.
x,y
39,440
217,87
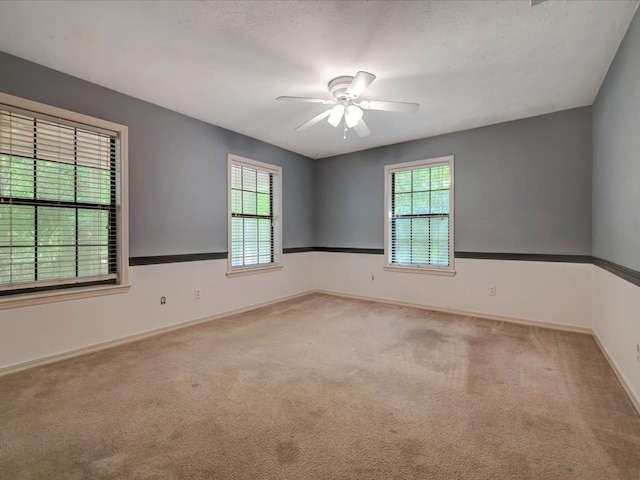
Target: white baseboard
x,y
136,337
614,366
483,315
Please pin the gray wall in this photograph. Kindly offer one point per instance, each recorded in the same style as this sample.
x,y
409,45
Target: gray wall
x,y
178,165
520,187
616,157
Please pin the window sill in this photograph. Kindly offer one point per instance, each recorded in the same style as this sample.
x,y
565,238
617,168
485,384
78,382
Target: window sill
x,y
422,270
240,272
27,300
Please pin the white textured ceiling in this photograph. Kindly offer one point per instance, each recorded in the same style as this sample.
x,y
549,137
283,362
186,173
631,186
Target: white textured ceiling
x,y
467,63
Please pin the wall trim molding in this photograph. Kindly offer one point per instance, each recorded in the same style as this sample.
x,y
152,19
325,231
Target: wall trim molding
x,y
197,257
632,276
625,273
297,250
635,401
525,257
370,251
468,313
179,258
57,357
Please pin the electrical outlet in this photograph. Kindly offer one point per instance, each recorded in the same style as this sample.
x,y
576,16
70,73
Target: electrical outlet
x,y
492,290
163,300
196,294
638,352
373,277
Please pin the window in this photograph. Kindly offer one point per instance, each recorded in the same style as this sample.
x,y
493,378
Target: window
x,y
254,215
419,226
61,213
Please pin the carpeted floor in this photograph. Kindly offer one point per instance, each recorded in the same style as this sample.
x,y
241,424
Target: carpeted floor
x,y
323,387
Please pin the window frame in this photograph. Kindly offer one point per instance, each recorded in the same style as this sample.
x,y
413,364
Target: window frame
x,y
276,212
388,214
80,290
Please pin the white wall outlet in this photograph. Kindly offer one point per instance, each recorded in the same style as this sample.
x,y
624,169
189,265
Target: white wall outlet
x,y
491,290
196,294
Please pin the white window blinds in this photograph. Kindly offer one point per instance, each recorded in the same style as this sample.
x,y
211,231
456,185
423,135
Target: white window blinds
x,y
254,212
419,199
58,198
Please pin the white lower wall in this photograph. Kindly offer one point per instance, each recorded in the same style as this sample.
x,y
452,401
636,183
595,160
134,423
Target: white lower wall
x,y
540,292
35,332
616,323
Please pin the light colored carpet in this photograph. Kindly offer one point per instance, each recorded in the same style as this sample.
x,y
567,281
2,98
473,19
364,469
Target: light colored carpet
x,y
323,387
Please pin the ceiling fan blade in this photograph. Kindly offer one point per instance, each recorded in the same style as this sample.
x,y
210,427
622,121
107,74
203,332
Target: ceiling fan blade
x,y
307,100
361,128
314,120
403,107
359,83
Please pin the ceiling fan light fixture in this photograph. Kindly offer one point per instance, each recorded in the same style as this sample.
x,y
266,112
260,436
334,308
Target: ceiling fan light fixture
x,y
336,115
345,92
352,115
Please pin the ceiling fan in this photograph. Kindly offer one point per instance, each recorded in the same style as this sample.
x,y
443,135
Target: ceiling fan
x,y
346,108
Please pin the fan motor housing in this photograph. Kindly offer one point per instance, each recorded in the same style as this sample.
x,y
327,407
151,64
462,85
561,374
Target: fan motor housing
x,y
338,87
